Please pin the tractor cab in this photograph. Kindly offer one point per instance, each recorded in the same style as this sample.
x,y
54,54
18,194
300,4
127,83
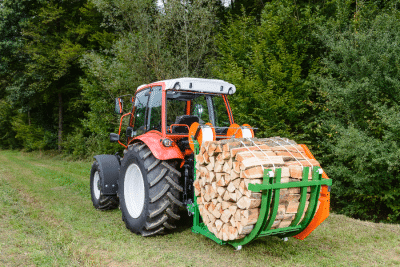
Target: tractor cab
x,y
169,109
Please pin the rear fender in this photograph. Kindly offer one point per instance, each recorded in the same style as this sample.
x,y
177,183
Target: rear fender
x,y
109,173
154,141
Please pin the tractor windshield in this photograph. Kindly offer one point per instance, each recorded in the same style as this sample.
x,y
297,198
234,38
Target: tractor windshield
x,y
185,108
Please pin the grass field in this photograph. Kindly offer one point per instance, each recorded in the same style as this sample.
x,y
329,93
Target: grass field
x,y
47,219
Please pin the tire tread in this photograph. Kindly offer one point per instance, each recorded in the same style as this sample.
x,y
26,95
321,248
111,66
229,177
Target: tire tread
x,y
163,192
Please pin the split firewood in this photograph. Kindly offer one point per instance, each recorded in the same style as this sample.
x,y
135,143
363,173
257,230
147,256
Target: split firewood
x,y
221,190
197,189
226,155
234,174
211,148
263,148
210,166
227,196
231,187
218,224
234,196
219,148
266,162
226,215
291,148
224,170
232,233
238,215
206,158
247,203
251,215
226,205
238,195
229,146
264,154
245,229
218,166
221,181
233,209
211,177
200,159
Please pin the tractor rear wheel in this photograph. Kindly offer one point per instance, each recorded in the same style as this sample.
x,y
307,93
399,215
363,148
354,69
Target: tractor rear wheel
x,y
100,201
149,192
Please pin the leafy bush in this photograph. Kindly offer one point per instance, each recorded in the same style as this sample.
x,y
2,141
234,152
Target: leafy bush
x,y
33,137
361,82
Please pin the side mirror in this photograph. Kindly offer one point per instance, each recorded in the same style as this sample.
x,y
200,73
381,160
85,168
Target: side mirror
x,y
119,106
114,137
129,131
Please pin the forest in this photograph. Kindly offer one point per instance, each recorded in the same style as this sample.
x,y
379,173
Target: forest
x,y
323,73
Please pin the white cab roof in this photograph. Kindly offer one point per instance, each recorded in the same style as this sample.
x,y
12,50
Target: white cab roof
x,y
198,85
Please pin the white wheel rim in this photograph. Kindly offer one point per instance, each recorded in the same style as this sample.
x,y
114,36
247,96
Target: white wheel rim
x,y
134,190
96,181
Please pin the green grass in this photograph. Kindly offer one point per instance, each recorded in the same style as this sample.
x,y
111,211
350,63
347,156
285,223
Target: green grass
x,y
47,219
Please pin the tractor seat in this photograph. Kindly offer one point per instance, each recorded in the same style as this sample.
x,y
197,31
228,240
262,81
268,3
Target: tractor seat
x,y
184,119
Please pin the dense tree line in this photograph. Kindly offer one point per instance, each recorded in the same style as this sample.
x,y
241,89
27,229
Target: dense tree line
x,y
325,73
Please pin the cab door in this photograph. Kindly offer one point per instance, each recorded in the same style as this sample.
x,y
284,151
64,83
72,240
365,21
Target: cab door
x,y
148,108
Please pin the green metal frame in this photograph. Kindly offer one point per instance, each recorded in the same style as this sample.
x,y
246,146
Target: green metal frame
x,y
270,191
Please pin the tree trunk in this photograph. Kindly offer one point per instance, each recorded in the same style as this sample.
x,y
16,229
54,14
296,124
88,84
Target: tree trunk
x,y
60,121
29,117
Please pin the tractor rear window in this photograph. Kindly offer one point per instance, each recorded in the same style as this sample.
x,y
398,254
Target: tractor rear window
x,y
220,112
203,108
199,108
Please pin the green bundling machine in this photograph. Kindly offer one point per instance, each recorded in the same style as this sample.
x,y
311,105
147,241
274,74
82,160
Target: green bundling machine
x,y
270,189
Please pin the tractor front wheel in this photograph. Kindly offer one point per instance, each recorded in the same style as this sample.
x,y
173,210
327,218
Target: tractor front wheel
x,y
149,192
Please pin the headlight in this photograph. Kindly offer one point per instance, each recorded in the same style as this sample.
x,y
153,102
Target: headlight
x,y
167,142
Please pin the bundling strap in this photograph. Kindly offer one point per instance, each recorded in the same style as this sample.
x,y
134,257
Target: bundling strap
x,y
244,145
276,142
312,166
262,152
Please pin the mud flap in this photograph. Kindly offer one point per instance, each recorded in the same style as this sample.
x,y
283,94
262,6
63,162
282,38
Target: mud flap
x,y
109,173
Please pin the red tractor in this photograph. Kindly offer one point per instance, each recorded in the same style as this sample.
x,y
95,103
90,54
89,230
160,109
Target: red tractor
x,y
155,176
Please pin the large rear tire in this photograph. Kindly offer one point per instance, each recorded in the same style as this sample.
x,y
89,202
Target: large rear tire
x,y
149,192
100,201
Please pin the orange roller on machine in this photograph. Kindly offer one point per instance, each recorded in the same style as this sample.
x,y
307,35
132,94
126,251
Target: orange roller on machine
x,y
202,133
244,131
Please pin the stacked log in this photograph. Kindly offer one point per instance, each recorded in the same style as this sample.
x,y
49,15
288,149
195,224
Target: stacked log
x,y
225,168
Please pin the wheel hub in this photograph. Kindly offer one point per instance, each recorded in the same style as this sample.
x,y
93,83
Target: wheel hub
x,y
96,185
134,192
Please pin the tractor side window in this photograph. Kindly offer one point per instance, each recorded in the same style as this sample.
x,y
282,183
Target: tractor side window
x,y
220,112
154,112
139,119
175,108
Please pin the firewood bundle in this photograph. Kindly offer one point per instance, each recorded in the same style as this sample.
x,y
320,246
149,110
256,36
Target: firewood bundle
x,y
224,169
